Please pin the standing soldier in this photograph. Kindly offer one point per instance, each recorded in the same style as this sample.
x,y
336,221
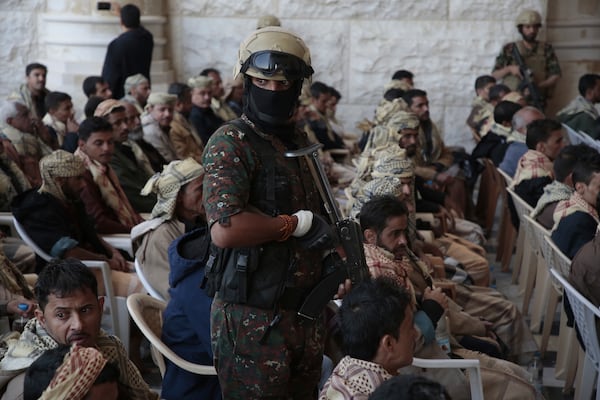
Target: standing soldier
x,y
538,57
262,209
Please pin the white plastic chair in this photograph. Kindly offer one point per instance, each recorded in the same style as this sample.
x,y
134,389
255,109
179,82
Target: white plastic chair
x,y
585,318
119,320
472,367
147,313
147,285
567,364
537,274
507,232
522,209
121,241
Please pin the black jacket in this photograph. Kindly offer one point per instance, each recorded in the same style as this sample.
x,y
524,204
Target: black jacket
x,y
128,54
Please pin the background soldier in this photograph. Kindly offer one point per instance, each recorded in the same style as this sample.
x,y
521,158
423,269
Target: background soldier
x,y
539,57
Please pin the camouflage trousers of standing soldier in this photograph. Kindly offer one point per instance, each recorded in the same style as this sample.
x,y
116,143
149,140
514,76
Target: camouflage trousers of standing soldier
x,y
255,362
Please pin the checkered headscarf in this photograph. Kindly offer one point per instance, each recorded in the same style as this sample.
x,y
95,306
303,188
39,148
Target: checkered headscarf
x,y
167,184
59,164
77,374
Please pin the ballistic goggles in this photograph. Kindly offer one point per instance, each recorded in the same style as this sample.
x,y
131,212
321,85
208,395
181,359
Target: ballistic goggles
x,y
270,64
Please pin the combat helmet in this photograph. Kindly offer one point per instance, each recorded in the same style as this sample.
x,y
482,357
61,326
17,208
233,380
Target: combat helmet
x,y
529,17
274,53
267,20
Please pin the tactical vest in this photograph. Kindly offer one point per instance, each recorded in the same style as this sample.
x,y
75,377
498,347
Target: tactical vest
x,y
535,61
257,276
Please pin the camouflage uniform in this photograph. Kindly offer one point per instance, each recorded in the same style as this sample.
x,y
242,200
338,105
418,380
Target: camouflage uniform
x,y
263,352
541,59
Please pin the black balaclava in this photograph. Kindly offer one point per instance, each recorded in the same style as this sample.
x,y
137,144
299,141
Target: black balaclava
x,y
271,111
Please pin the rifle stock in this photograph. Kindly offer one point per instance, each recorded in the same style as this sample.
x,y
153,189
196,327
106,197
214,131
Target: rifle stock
x,y
527,81
353,265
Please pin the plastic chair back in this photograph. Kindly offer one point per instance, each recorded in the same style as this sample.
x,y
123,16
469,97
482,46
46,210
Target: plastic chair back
x,y
585,317
147,285
472,367
147,313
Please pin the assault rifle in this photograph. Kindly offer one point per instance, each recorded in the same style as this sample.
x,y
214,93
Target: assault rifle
x,y
353,266
527,81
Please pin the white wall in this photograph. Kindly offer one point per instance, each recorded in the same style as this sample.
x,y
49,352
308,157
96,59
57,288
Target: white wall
x,y
356,45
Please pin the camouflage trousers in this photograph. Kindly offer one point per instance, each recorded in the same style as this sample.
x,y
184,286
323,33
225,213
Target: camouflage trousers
x,y
254,361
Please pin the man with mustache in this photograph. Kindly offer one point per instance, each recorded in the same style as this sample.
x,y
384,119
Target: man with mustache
x,y
156,123
69,312
104,198
539,57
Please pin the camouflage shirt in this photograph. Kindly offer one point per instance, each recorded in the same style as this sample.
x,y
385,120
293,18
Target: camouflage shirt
x,y
551,61
233,172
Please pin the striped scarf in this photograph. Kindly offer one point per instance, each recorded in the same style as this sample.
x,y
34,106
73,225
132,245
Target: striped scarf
x,y
110,188
573,204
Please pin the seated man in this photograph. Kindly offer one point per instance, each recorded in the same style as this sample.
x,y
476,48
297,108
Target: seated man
x,y
186,326
69,312
576,219
433,158
218,103
517,147
33,92
376,324
17,126
102,194
56,220
317,122
561,187
202,117
184,138
71,372
129,162
179,192
494,144
383,220
137,90
156,123
96,86
481,107
60,120
545,139
581,113
136,135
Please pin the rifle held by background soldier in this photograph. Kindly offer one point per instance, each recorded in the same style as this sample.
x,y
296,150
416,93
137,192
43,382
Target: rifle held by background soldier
x,y
527,81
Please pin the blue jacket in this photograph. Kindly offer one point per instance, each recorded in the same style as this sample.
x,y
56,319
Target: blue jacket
x,y
186,327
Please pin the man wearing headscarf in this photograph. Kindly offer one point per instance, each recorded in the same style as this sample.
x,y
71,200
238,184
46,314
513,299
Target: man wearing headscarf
x,y
202,116
156,123
137,90
179,204
55,219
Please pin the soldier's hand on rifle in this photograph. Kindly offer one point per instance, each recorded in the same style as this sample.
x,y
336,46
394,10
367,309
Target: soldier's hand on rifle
x,y
313,232
515,70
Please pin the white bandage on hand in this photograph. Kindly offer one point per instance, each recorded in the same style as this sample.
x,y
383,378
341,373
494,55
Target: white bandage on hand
x,y
305,219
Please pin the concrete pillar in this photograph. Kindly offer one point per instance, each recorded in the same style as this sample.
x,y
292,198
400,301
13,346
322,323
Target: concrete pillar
x,y
573,28
74,38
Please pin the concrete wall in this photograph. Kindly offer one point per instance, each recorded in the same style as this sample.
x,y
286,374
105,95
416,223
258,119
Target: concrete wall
x,y
356,45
